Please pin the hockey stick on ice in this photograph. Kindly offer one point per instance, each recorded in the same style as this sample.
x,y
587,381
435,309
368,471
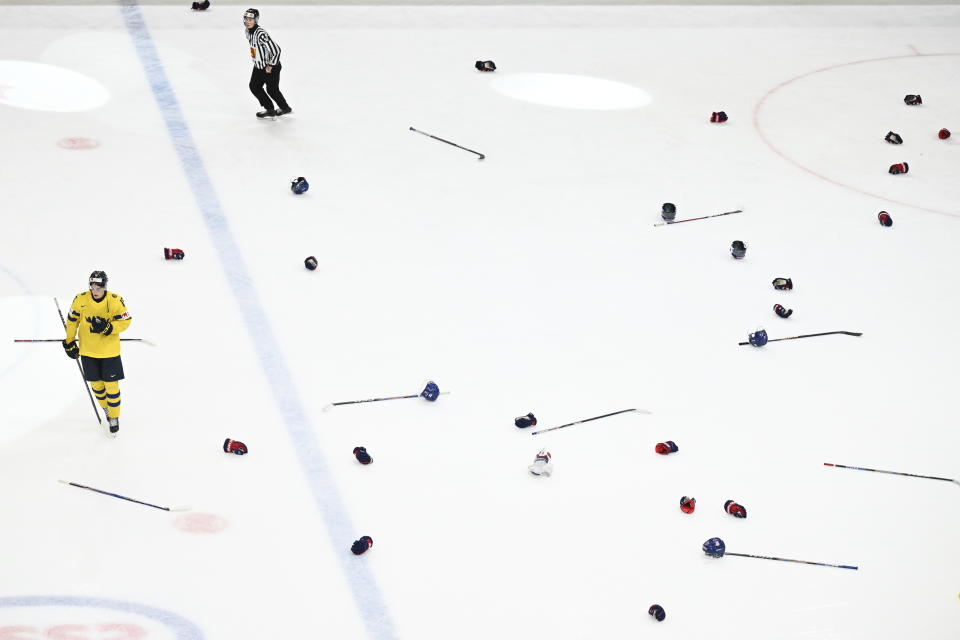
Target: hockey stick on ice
x,y
715,215
606,415
117,495
79,366
811,335
819,564
448,142
716,548
338,404
896,473
143,340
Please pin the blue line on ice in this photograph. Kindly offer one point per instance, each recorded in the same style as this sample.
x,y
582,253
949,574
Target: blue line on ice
x,y
372,607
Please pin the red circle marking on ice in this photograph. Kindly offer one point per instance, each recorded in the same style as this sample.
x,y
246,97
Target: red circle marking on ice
x,y
783,154
200,523
78,143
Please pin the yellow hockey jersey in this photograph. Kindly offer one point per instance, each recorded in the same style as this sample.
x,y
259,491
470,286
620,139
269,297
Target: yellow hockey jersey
x,y
84,307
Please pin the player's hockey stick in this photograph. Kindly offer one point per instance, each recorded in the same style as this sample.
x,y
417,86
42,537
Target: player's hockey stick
x,y
715,215
337,404
117,495
143,340
896,473
79,366
811,335
819,564
450,143
570,424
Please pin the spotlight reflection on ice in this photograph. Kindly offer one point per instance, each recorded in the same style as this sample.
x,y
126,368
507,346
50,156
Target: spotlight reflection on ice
x,y
45,87
571,92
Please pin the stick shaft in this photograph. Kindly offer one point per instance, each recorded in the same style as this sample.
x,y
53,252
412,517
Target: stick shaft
x,y
337,404
811,335
819,564
114,495
896,473
61,340
715,215
447,141
570,424
79,366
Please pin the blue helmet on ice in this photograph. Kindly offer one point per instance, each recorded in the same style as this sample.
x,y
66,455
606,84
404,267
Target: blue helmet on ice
x,y
714,547
758,338
300,185
430,391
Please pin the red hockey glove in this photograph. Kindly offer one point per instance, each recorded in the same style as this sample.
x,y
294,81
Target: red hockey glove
x,y
234,446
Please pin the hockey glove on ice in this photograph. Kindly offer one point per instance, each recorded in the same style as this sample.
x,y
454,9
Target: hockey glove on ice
x,y
666,448
362,456
734,509
234,446
893,138
783,284
361,545
912,100
901,167
72,349
100,325
781,311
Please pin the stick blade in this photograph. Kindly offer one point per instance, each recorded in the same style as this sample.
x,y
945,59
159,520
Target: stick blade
x,y
327,408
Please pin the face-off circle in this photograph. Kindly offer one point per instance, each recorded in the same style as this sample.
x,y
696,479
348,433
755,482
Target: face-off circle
x,y
870,109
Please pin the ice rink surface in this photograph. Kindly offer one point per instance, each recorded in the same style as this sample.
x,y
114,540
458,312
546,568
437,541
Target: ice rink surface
x,y
534,280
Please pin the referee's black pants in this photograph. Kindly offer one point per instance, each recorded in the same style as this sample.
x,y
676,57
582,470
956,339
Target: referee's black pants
x,y
259,78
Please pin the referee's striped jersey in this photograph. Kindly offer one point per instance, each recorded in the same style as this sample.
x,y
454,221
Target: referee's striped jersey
x,y
263,49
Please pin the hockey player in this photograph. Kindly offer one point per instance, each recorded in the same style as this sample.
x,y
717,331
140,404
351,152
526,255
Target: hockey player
x,y
266,67
100,316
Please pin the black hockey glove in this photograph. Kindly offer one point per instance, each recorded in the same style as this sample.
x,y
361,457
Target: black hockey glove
x,y
100,325
72,349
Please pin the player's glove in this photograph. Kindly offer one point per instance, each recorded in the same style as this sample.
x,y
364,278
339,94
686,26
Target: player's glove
x,y
361,545
235,447
893,138
666,448
783,284
734,509
900,167
100,325
782,311
362,456
72,349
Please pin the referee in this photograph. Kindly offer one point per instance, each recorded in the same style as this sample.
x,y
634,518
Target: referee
x,y
266,68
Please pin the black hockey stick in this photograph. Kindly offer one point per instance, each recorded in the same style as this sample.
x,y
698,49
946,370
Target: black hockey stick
x,y
117,495
450,143
570,424
716,215
811,335
896,473
143,340
819,564
415,395
79,366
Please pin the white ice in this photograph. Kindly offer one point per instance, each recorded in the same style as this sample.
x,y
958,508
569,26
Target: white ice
x,y
534,280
